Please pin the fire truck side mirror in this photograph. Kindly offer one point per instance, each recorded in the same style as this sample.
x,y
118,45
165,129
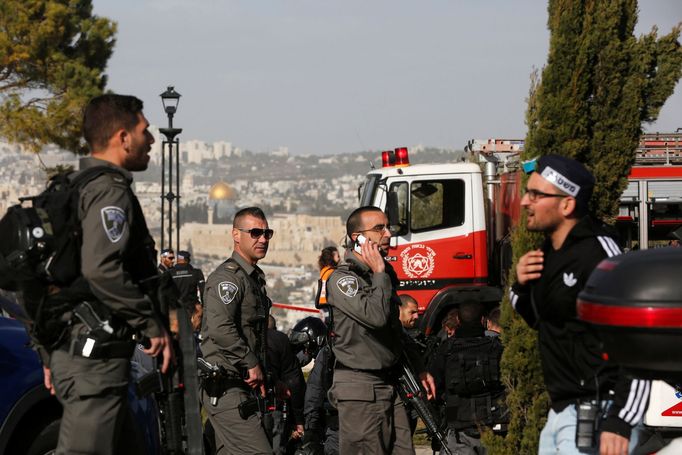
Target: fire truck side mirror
x,y
392,208
393,214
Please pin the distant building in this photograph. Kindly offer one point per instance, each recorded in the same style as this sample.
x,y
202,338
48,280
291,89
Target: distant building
x,y
280,151
298,238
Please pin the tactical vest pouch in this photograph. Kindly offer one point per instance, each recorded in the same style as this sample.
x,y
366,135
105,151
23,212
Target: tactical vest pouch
x,y
473,366
486,410
475,394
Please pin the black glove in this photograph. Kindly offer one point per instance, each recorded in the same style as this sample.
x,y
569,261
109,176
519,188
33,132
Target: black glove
x,y
310,448
312,443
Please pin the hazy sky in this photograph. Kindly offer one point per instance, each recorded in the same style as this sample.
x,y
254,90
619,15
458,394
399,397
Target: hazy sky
x,y
341,76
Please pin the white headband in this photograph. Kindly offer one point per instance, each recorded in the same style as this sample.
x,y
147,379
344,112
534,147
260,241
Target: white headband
x,y
561,182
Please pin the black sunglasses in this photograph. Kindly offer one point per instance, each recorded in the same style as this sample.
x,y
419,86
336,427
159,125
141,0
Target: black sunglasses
x,y
255,233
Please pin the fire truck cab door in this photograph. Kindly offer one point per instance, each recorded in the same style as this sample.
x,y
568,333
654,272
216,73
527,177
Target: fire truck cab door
x,y
436,243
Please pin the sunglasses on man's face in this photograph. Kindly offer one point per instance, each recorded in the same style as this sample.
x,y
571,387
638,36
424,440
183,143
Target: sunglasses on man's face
x,y
256,233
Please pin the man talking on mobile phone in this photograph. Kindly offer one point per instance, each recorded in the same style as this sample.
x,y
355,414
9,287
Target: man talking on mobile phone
x,y
368,342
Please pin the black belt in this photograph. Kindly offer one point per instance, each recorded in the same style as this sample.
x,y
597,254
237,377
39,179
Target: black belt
x,y
92,349
217,385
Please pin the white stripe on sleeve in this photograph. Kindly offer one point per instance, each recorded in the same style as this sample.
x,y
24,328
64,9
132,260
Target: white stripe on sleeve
x,y
608,247
638,394
513,299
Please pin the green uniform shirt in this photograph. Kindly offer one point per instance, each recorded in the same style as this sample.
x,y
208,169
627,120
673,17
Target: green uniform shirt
x,y
368,333
236,307
108,215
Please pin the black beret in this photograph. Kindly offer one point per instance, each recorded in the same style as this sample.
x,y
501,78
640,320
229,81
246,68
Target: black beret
x,y
182,254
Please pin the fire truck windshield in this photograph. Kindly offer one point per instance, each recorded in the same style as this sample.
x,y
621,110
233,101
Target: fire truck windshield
x,y
368,188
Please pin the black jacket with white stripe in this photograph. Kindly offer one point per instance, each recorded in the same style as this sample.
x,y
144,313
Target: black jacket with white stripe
x,y
570,352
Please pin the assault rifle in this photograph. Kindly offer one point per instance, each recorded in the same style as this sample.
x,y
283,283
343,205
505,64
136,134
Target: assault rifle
x,y
411,392
176,392
263,404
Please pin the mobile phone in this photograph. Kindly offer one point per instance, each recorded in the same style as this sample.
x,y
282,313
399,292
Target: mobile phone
x,y
359,241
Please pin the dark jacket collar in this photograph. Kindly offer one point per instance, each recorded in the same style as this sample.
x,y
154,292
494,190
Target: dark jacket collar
x,y
469,331
585,228
89,161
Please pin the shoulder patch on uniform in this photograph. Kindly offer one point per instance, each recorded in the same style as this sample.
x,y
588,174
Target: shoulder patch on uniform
x,y
114,222
227,291
348,285
231,267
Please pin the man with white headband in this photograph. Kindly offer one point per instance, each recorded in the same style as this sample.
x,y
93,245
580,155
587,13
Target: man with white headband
x,y
548,280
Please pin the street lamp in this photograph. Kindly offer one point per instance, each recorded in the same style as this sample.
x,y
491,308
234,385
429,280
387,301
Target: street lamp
x,y
170,100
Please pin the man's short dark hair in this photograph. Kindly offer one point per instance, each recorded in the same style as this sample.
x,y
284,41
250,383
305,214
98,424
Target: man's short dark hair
x,y
106,114
407,299
494,315
326,258
470,313
354,222
255,212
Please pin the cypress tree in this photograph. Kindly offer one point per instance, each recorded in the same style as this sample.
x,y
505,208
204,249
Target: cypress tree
x,y
600,84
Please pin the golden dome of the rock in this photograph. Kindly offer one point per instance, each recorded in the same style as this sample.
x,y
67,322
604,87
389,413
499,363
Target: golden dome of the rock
x,y
220,191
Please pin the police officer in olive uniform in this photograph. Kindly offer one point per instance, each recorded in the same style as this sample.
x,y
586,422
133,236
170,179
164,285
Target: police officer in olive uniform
x,y
369,343
89,371
233,332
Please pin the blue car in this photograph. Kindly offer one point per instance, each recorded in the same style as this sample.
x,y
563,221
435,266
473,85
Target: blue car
x,y
29,415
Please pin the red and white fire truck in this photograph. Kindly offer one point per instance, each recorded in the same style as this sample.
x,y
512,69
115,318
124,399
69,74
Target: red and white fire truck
x,y
453,220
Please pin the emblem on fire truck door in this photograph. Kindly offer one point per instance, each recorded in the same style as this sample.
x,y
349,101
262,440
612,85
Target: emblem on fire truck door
x,y
418,260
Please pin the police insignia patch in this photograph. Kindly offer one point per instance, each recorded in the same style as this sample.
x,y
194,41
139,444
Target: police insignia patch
x,y
348,285
227,291
114,222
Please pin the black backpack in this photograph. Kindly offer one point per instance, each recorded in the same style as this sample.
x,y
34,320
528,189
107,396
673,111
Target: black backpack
x,y
475,393
40,248
41,241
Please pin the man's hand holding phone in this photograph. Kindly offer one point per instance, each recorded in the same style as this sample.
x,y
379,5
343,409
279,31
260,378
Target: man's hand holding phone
x,y
370,253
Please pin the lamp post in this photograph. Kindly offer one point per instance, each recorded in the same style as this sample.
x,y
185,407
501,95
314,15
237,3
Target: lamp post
x,y
170,99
